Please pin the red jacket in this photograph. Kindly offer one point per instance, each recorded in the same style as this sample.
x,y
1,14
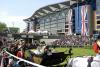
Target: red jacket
x,y
96,48
20,54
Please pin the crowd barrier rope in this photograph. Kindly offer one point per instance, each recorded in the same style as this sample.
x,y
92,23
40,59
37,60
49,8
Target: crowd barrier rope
x,y
34,64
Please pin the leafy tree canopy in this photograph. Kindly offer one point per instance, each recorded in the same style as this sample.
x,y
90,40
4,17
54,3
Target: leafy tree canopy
x,y
13,29
2,26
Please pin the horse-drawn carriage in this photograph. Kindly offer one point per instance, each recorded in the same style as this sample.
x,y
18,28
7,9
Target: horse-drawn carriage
x,y
53,59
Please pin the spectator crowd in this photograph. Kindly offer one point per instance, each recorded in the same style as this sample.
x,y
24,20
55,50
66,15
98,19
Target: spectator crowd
x,y
72,41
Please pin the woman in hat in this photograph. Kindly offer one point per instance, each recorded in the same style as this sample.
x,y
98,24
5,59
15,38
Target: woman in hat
x,y
96,47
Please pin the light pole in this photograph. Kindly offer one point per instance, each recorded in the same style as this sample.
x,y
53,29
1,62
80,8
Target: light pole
x,y
27,29
12,24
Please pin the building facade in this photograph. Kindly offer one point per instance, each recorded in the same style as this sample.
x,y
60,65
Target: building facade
x,y
98,15
67,18
56,19
55,23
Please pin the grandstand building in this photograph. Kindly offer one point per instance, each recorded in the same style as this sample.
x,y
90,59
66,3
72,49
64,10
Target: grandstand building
x,y
98,15
66,18
52,18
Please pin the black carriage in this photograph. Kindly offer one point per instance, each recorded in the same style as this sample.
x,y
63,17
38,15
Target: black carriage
x,y
49,60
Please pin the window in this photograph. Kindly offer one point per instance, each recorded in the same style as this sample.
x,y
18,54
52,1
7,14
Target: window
x,y
41,25
48,29
54,25
97,12
98,17
53,28
62,20
47,23
59,30
47,26
66,26
41,28
63,30
53,22
61,25
57,15
66,30
53,17
63,14
98,27
98,4
54,31
47,19
66,22
98,22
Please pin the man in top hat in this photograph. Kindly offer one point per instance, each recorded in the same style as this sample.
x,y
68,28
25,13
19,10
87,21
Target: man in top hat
x,y
96,47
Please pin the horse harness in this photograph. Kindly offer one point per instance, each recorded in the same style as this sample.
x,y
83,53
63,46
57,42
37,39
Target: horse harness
x,y
90,60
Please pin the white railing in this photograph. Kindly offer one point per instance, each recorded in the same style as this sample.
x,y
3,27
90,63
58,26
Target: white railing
x,y
34,64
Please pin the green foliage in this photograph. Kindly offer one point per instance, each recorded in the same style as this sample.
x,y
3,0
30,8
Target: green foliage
x,y
2,26
13,30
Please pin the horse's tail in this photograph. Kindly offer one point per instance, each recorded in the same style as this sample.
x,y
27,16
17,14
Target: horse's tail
x,y
70,62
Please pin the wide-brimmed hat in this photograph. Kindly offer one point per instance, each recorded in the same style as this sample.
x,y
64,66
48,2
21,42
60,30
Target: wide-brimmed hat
x,y
98,43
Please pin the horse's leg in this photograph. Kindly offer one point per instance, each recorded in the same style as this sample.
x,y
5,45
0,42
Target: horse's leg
x,y
70,63
89,61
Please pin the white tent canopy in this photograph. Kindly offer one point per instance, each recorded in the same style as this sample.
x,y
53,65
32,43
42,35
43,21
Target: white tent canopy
x,y
45,31
31,31
38,32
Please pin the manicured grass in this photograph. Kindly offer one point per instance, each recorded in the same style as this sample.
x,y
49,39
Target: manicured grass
x,y
82,52
78,51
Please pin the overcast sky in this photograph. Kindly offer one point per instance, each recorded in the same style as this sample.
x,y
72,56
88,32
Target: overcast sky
x,y
12,12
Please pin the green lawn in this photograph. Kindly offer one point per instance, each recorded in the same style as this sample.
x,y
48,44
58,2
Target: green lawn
x,y
78,51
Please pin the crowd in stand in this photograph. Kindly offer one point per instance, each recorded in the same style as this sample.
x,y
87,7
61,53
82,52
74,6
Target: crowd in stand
x,y
72,41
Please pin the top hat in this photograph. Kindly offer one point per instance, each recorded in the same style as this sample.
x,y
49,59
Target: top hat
x,y
98,37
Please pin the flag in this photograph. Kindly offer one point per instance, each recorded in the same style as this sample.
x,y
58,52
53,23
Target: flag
x,y
84,29
69,16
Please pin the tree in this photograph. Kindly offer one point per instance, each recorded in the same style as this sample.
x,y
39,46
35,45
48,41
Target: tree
x,y
2,26
13,30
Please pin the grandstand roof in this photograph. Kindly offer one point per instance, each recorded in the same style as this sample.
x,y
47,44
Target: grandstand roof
x,y
49,9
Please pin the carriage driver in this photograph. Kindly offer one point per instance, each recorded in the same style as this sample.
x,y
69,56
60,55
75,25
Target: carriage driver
x,y
96,47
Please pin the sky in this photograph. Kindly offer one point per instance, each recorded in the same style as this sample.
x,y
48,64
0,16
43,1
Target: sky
x,y
12,12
